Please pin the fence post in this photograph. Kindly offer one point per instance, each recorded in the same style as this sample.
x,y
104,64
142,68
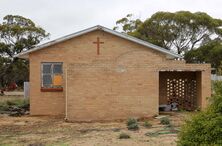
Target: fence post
x,y
26,89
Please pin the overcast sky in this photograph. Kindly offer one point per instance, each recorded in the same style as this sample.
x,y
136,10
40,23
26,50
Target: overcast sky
x,y
62,17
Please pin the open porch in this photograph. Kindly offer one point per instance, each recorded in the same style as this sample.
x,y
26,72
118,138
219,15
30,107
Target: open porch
x,y
179,90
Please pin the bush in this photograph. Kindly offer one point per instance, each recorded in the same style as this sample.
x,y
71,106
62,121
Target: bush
x,y
124,136
132,124
165,121
20,103
133,127
4,106
217,87
131,121
147,124
216,99
205,128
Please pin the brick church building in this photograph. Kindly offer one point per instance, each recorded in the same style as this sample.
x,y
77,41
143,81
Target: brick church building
x,y
100,74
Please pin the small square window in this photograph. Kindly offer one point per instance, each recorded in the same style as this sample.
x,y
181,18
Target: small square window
x,y
52,75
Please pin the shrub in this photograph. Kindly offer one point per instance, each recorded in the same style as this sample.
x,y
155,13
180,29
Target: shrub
x,y
165,121
205,128
4,106
124,136
133,127
131,121
132,124
216,99
147,124
20,103
217,87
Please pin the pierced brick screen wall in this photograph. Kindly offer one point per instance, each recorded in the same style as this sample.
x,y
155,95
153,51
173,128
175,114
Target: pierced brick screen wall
x,y
180,88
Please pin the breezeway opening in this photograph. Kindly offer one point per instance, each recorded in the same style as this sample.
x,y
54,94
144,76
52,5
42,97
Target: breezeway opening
x,y
179,90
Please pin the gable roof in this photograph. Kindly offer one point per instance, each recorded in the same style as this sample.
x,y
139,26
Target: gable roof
x,y
170,54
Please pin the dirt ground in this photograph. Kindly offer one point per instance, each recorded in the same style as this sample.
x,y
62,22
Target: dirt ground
x,y
40,131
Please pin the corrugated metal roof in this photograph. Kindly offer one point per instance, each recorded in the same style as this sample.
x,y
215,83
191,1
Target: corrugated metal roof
x,y
98,27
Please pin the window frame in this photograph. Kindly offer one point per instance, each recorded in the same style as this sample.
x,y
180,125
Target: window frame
x,y
51,89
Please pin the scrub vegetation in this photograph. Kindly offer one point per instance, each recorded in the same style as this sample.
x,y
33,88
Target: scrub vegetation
x,y
205,128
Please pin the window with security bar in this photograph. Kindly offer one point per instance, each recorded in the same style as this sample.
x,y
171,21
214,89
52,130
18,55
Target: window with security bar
x,y
52,75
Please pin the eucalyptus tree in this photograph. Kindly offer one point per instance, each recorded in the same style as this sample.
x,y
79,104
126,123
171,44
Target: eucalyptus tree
x,y
17,34
180,31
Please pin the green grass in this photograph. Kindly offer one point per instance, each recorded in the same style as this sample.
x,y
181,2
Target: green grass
x,y
19,102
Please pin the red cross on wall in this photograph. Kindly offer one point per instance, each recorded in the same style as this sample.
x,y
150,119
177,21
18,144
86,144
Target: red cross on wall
x,y
98,45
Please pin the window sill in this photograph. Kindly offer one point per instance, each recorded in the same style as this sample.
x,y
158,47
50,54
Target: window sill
x,y
51,89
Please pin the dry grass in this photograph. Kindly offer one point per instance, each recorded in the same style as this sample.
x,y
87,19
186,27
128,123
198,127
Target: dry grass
x,y
18,131
5,97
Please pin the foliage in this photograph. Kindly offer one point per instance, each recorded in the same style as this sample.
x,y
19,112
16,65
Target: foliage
x,y
133,127
132,124
180,31
131,121
17,34
128,24
20,103
217,87
4,106
208,53
15,70
124,136
216,99
205,128
165,121
147,124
